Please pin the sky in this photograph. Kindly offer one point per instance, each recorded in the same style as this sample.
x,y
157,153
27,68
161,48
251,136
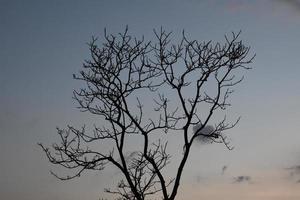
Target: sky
x,y
43,43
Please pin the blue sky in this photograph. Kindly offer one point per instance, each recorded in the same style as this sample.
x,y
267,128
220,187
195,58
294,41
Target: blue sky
x,y
44,42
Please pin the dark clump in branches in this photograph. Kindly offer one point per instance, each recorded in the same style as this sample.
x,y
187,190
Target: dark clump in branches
x,y
124,69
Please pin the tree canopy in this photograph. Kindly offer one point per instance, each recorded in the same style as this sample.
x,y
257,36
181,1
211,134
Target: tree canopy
x,y
184,84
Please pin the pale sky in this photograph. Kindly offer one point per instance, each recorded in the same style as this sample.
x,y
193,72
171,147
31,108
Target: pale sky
x,y
44,42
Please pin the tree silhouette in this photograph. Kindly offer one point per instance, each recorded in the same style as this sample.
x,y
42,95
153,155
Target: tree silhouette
x,y
188,82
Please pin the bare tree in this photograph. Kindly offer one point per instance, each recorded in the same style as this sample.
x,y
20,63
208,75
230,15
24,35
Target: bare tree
x,y
125,69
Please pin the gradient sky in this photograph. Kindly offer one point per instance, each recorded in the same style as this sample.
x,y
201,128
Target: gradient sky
x,y
44,42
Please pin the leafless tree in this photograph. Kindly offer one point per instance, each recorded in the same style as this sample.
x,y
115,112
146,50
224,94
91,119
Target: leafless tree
x,y
125,69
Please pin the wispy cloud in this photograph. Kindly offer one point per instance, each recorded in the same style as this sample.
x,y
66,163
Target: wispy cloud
x,y
242,179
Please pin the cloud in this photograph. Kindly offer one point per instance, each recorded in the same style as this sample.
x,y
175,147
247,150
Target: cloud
x,y
204,133
242,179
